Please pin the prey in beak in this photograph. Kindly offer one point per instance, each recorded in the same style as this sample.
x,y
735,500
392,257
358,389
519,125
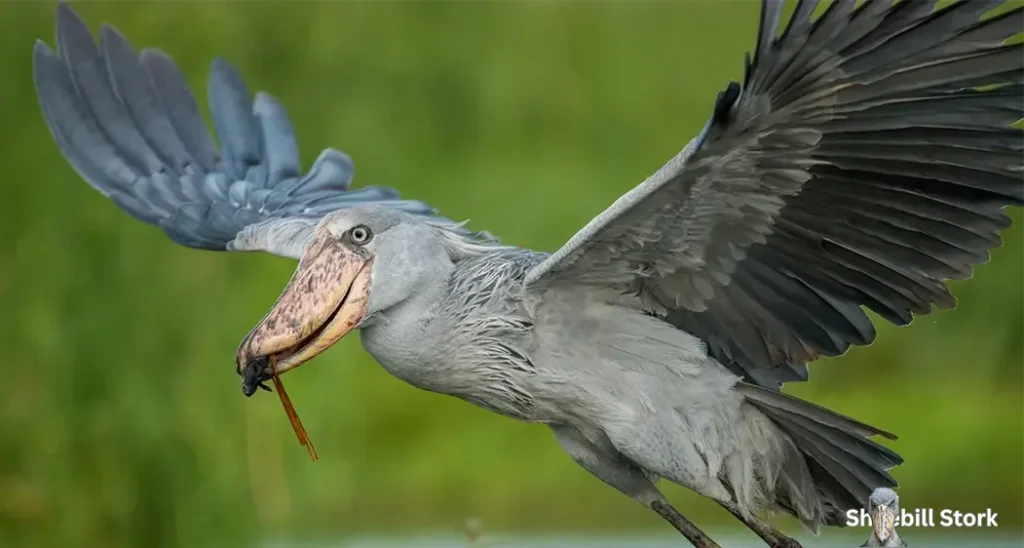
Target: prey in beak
x,y
325,300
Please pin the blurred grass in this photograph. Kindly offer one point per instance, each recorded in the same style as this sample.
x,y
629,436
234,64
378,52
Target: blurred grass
x,y
122,422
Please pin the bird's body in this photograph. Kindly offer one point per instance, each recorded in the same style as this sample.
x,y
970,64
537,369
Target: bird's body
x,y
625,381
622,389
865,160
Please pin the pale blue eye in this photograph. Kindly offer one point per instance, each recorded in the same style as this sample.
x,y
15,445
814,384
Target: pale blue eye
x,y
361,234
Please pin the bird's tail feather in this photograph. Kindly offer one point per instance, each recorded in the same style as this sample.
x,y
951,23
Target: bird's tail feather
x,y
844,465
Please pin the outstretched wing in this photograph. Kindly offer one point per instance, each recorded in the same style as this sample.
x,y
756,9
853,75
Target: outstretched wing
x,y
131,128
865,160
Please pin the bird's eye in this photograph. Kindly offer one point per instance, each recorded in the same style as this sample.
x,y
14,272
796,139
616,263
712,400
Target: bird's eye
x,y
361,234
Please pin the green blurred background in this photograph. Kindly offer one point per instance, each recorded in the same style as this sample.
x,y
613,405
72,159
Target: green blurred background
x,y
122,423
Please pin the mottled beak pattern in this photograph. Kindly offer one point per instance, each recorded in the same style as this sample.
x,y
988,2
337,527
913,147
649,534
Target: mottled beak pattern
x,y
883,521
325,300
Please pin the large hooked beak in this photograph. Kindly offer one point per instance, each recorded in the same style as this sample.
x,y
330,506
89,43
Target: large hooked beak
x,y
883,521
325,300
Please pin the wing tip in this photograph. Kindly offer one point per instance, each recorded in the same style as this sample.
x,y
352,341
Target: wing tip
x,y
44,58
153,53
64,9
109,34
223,73
725,102
44,61
41,49
70,24
265,102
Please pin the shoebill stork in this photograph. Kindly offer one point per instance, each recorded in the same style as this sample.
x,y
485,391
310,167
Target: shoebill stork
x,y
884,509
866,159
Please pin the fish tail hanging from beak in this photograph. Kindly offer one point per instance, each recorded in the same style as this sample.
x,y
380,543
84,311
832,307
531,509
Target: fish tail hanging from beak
x,y
293,417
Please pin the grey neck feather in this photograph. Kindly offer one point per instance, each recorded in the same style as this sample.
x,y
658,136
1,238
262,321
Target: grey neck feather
x,y
410,277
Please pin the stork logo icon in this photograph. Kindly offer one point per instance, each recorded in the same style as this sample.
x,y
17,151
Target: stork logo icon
x,y
884,507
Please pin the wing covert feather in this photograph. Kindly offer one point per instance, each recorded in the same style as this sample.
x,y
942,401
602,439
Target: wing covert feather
x,y
866,160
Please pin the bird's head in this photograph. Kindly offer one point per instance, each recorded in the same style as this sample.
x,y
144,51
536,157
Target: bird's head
x,y
883,505
360,261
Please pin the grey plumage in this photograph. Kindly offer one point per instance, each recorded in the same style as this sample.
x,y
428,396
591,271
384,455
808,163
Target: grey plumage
x,y
844,464
865,160
856,166
131,128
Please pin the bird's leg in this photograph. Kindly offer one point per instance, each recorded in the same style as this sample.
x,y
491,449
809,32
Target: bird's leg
x,y
597,456
770,535
683,525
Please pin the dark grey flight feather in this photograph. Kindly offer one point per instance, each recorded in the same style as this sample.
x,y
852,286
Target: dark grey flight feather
x,y
132,129
866,160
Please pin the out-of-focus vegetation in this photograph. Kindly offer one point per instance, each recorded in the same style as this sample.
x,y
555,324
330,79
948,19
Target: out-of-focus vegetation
x,y
122,423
